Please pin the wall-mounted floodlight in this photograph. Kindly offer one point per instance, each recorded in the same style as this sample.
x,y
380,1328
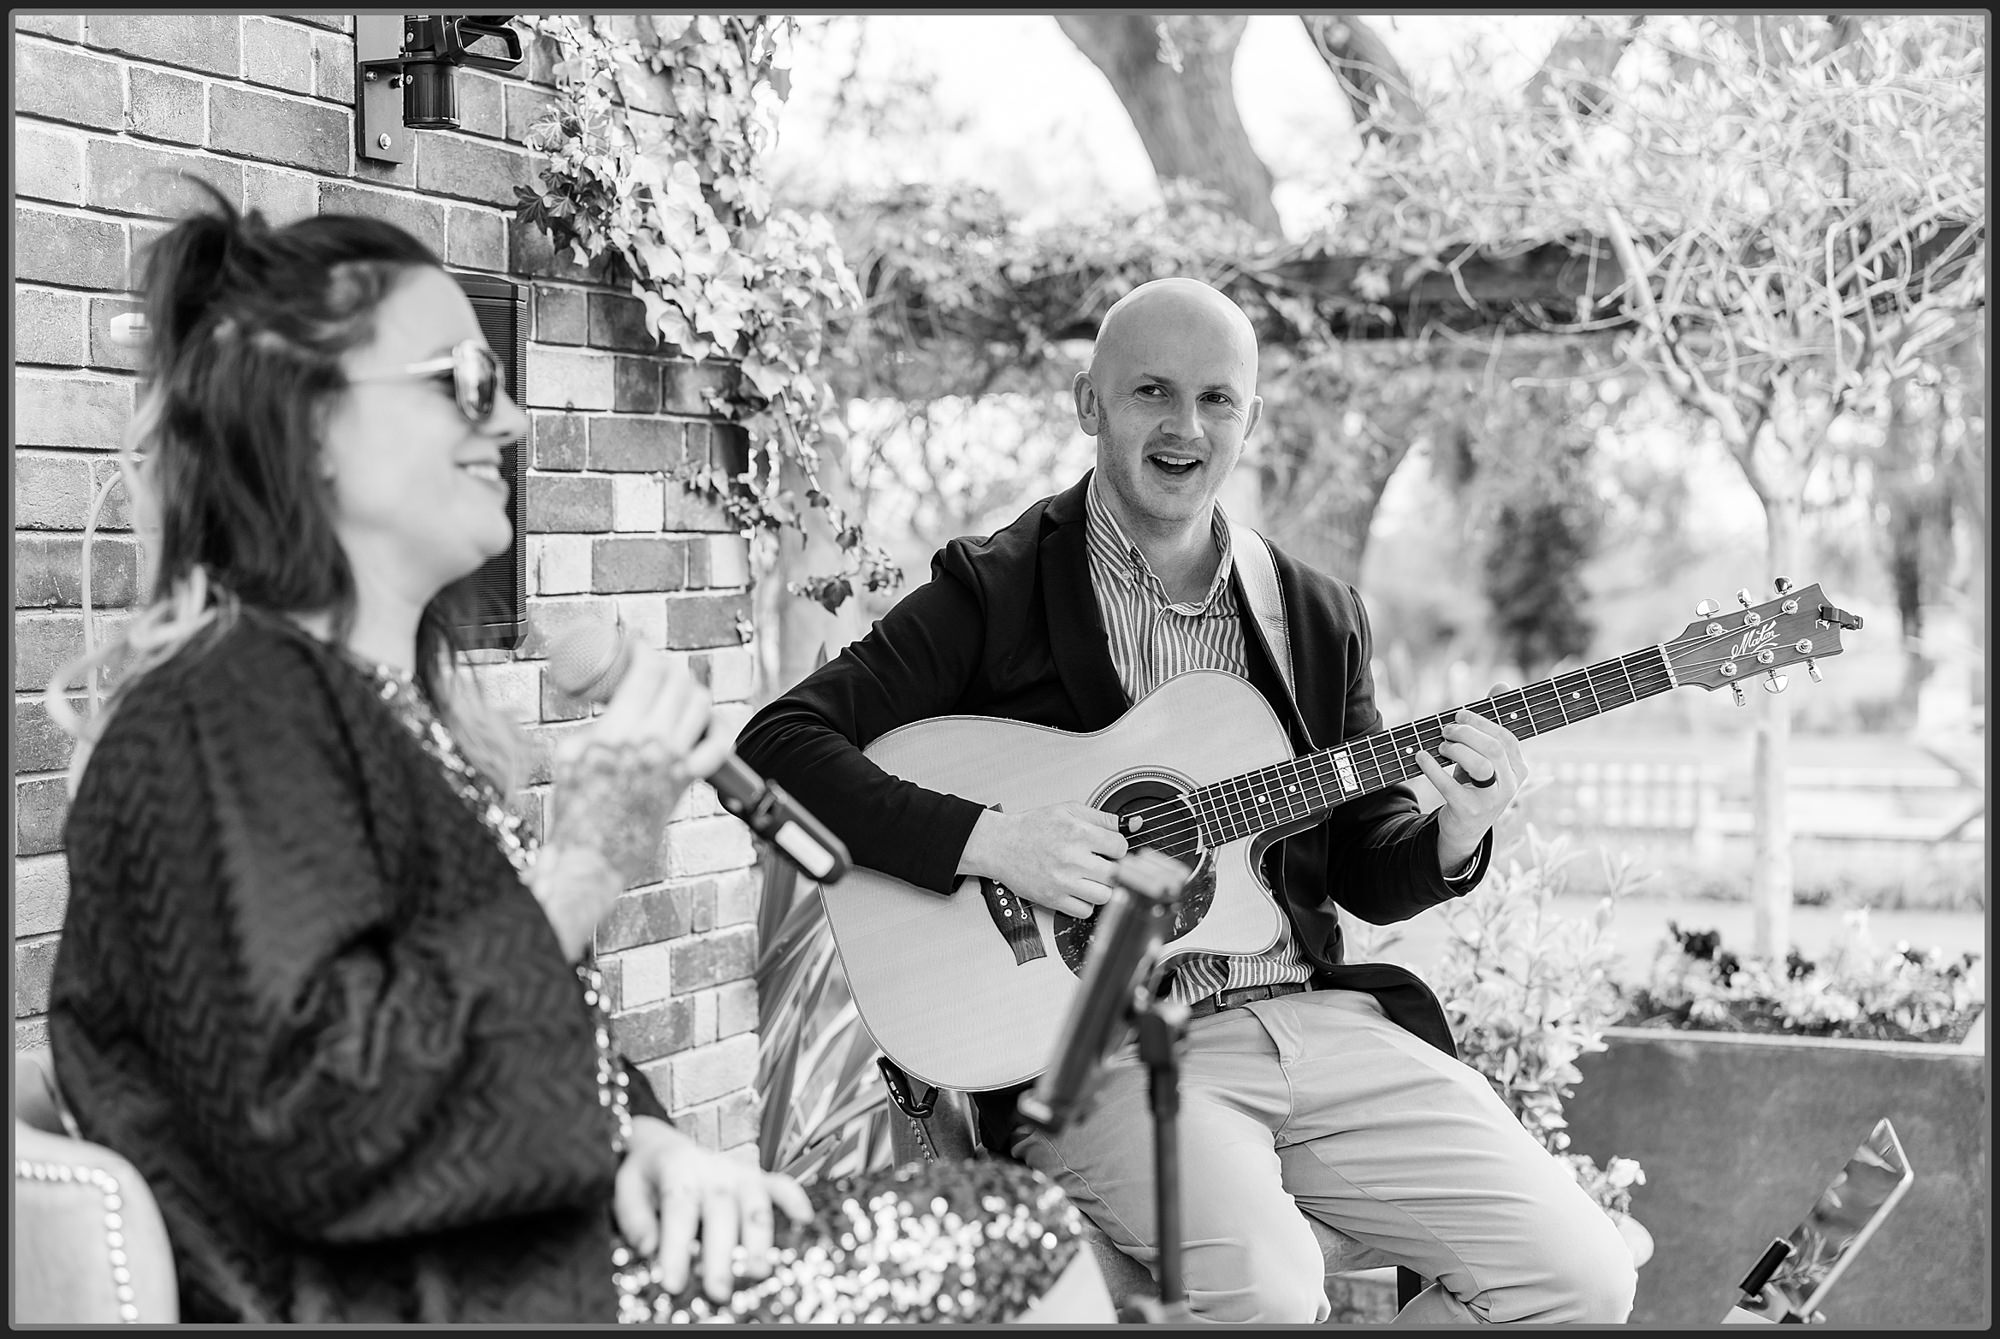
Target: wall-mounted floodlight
x,y
404,66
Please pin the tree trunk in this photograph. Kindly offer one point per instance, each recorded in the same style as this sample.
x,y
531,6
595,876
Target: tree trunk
x,y
1186,117
1782,492
1377,90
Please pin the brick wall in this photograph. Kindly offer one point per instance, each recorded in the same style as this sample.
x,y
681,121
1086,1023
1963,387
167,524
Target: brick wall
x,y
264,107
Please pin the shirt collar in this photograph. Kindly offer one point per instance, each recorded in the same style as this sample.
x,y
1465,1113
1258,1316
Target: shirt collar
x,y
1109,544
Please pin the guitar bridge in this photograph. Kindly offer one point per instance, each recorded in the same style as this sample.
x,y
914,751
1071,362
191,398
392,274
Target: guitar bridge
x,y
1014,921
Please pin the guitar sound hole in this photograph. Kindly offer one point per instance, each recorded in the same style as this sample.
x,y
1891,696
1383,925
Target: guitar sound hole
x,y
1167,825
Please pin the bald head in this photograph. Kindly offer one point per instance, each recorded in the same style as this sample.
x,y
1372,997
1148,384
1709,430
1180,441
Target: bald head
x,y
1183,310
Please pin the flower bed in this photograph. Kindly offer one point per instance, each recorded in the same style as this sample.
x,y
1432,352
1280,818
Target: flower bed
x,y
1857,991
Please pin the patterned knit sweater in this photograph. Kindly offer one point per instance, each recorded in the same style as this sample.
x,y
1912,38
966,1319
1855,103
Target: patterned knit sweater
x,y
300,987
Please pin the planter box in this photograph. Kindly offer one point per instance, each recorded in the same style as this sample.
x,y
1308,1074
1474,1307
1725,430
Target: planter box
x,y
1739,1132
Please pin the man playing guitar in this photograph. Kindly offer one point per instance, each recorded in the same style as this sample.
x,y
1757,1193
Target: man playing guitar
x,y
1308,1085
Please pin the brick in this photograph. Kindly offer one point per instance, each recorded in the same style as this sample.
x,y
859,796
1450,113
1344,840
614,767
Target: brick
x,y
571,505
166,106
649,916
635,386
636,564
65,27
76,411
560,706
40,742
71,250
282,197
210,43
707,846
701,961
525,105
737,897
711,1072
31,1034
705,1030
41,893
39,809
657,1030
697,621
645,974
474,239
402,176
550,619
687,509
738,1118
619,322
48,571
482,104
48,323
735,1008
278,129
732,673
64,84
513,688
48,165
530,250
422,218
543,738
688,386
54,492
34,964
471,169
728,560
340,23
558,441
644,616
650,445
560,315
130,178
560,563
636,502
542,55
728,448
568,379
333,67
44,643
277,54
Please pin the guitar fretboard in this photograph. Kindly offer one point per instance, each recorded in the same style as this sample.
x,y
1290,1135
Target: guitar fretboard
x,y
1309,786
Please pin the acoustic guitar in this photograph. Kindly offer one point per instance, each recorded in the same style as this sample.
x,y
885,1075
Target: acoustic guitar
x,y
971,991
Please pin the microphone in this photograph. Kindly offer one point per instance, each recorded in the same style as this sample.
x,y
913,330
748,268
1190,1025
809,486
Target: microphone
x,y
589,661
1119,970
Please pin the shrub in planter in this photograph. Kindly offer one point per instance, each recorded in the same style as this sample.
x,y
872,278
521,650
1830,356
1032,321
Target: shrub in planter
x,y
1858,991
1528,990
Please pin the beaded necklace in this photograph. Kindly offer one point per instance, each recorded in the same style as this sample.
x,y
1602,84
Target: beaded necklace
x,y
637,1279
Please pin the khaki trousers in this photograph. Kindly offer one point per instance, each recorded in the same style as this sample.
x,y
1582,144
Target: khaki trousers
x,y
1316,1103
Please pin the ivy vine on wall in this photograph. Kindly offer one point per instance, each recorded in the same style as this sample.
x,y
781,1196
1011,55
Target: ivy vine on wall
x,y
651,156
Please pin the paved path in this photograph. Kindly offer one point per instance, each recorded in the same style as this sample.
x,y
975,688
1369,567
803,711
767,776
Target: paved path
x,y
1639,925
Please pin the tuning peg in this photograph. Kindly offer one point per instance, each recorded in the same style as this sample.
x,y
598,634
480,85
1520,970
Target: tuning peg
x,y
1782,584
1736,691
1812,669
1775,682
1707,609
1743,597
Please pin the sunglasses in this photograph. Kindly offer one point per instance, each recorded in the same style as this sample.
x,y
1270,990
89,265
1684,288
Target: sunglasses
x,y
474,372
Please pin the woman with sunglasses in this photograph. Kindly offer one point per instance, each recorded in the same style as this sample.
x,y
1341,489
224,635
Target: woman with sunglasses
x,y
313,981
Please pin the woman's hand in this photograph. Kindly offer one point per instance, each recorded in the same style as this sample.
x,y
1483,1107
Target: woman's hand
x,y
671,1190
616,781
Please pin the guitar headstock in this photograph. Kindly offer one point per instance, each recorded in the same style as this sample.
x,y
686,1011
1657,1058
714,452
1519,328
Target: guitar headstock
x,y
1756,641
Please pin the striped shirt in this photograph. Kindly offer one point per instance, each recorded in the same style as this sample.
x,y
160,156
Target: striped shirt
x,y
1153,639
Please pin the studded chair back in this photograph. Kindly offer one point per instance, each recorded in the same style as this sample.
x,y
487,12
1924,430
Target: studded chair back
x,y
89,1245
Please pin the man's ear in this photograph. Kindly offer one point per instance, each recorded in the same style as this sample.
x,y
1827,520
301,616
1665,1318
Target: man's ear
x,y
1085,394
1256,413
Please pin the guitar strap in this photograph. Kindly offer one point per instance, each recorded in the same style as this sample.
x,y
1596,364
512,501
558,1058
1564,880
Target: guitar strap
x,y
1259,573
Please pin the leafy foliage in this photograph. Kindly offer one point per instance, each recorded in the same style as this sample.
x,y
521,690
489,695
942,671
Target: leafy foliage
x,y
1528,991
652,152
1858,991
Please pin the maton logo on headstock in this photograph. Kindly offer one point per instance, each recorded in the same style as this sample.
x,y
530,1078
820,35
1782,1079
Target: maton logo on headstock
x,y
1753,641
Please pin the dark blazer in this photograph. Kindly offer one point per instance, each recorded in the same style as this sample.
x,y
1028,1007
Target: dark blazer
x,y
1008,626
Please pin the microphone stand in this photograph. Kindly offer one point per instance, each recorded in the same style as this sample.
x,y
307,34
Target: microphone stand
x,y
1126,949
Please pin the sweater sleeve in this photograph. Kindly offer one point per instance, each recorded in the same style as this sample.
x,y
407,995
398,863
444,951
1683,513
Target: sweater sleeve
x,y
913,665
352,1006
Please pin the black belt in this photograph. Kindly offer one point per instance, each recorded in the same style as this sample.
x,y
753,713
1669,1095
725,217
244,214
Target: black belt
x,y
1229,999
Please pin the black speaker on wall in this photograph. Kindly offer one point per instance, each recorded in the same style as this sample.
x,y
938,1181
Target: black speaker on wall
x,y
494,599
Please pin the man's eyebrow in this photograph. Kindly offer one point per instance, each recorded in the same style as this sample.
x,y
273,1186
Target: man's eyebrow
x,y
1169,381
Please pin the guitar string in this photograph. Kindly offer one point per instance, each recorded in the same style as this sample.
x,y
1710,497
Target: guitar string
x,y
1167,835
